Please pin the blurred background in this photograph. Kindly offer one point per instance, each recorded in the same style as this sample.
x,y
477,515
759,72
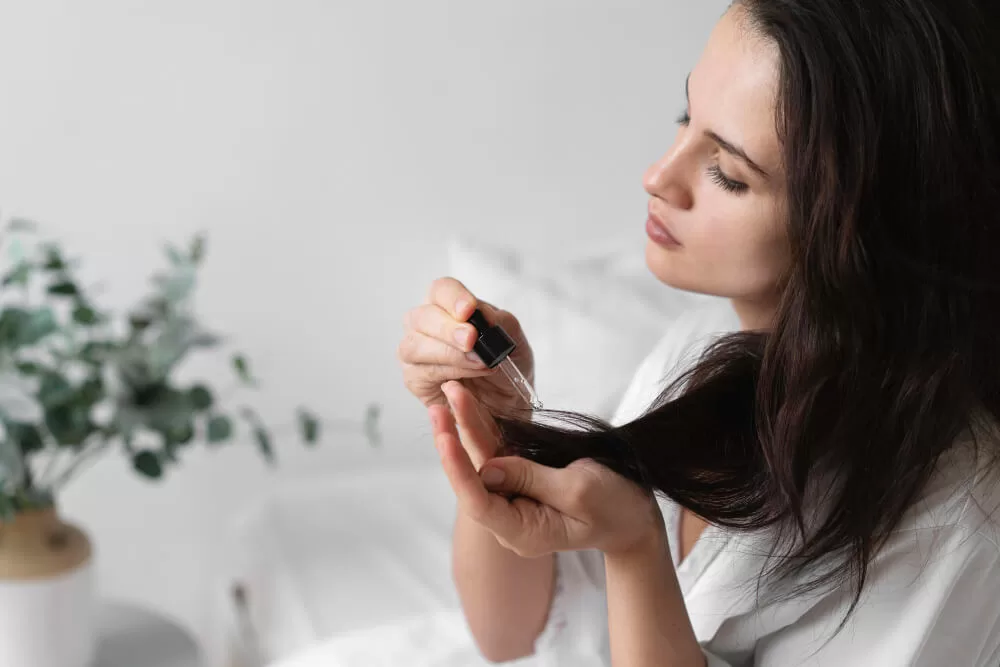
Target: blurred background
x,y
330,152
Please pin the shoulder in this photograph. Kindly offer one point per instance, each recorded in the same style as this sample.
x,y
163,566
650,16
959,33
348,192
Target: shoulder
x,y
952,530
964,488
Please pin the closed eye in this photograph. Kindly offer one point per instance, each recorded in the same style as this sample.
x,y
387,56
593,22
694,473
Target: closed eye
x,y
727,184
715,171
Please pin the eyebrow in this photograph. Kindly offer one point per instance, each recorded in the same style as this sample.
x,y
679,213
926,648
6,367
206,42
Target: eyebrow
x,y
725,145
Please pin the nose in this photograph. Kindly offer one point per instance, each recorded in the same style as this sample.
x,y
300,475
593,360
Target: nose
x,y
670,177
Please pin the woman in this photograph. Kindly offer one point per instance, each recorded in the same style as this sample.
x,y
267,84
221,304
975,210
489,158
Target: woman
x,y
830,468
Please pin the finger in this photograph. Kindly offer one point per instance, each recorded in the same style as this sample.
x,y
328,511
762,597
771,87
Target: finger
x,y
559,488
434,322
473,498
420,349
523,525
473,411
430,377
454,297
475,421
456,300
478,439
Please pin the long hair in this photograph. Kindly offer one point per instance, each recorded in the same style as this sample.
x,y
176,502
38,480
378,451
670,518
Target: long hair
x,y
885,341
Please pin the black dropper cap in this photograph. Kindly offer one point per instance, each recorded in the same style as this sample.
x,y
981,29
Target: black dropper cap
x,y
493,344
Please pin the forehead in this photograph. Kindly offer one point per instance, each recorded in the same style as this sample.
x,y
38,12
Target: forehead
x,y
733,89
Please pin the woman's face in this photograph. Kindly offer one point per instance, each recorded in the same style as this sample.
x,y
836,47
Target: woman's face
x,y
719,190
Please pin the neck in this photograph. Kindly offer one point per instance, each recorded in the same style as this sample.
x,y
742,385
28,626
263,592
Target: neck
x,y
755,315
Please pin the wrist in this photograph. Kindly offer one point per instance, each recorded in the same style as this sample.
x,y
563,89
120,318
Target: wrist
x,y
653,543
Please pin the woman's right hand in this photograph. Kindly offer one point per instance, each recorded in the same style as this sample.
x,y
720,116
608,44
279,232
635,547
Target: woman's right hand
x,y
437,347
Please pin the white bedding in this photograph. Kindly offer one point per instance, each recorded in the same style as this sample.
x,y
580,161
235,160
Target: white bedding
x,y
441,639
340,553
354,570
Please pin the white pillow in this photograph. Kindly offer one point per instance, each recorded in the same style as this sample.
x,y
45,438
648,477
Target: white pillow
x,y
590,318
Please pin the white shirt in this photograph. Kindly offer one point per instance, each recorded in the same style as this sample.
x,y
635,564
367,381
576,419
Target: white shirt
x,y
932,598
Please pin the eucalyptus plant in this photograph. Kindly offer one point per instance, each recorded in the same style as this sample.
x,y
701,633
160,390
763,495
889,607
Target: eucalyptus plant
x,y
77,381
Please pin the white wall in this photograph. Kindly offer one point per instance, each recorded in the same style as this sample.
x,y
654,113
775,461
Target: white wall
x,y
328,149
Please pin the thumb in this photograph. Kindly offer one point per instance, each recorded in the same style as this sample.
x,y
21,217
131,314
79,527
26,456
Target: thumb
x,y
519,476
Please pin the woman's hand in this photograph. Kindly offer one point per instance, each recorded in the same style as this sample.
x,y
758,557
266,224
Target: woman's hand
x,y
582,506
437,347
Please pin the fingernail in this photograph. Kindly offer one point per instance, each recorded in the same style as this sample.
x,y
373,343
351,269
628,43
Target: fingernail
x,y
493,476
474,358
462,336
460,307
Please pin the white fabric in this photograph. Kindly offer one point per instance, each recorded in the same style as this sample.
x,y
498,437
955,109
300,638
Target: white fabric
x,y
934,588
336,554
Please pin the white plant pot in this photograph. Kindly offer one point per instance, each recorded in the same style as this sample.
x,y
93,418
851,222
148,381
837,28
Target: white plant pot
x,y
47,602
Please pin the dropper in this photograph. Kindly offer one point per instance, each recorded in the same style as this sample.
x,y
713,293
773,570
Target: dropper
x,y
494,347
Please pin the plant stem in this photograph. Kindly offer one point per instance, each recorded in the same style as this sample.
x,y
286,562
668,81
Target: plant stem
x,y
54,450
84,456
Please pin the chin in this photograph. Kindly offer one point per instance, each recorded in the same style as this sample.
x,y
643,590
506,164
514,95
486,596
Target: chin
x,y
665,265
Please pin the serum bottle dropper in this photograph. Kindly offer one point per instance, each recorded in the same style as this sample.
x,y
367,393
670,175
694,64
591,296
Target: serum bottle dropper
x,y
494,346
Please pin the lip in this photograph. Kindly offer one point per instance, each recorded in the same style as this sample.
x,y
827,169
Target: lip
x,y
658,231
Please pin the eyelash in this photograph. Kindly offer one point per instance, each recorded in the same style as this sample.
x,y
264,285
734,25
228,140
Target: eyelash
x,y
715,172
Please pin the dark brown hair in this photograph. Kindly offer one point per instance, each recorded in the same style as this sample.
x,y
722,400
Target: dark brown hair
x,y
886,336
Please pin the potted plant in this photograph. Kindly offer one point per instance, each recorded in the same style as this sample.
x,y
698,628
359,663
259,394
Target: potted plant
x,y
77,382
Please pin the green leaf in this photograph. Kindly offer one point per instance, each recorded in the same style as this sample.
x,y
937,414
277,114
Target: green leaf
x,y
54,389
91,391
200,397
95,352
63,288
219,428
25,327
17,402
85,315
40,324
174,254
242,368
263,439
18,275
147,396
139,321
28,368
53,259
180,435
27,436
308,425
198,248
69,424
170,409
148,463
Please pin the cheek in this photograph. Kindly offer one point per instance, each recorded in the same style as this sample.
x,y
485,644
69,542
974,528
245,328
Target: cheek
x,y
732,254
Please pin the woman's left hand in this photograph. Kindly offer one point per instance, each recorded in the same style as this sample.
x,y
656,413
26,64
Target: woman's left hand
x,y
582,506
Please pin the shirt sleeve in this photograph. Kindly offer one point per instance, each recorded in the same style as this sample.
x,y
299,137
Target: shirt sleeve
x,y
934,600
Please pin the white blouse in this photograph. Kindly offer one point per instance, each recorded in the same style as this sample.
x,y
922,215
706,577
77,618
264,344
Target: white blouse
x,y
932,598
